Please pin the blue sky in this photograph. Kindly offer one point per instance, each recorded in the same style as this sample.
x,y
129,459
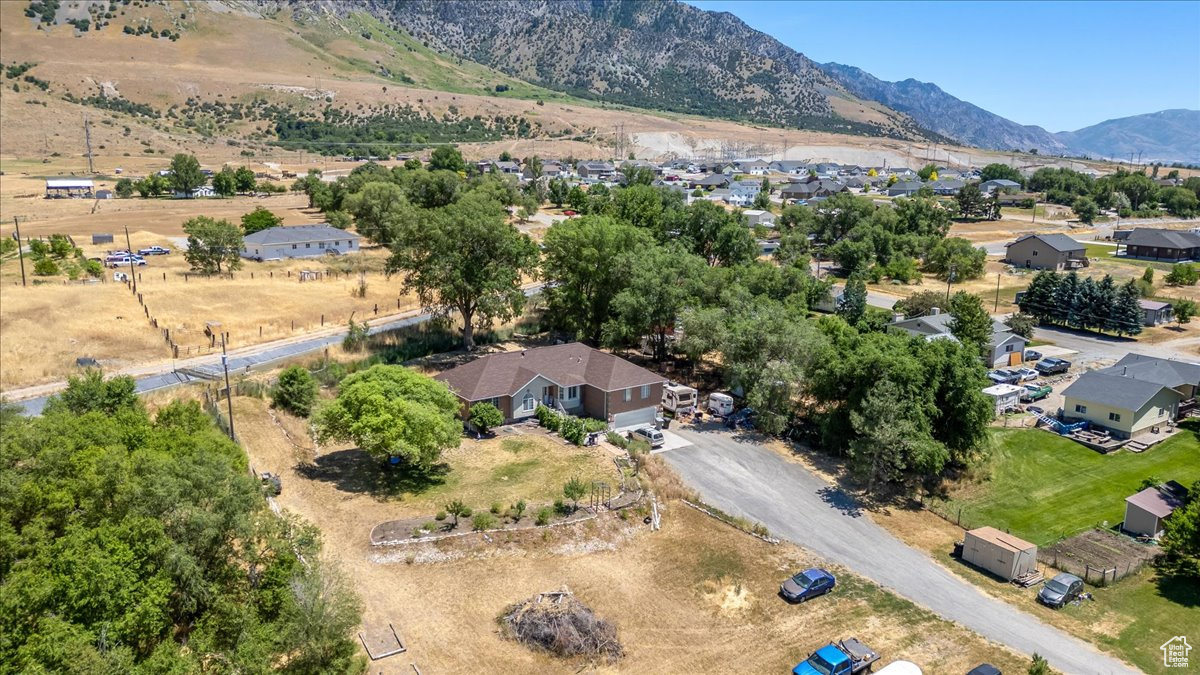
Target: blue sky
x,y
1059,65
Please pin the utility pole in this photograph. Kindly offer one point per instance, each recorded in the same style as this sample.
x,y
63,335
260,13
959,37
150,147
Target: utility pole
x,y
129,249
20,251
949,278
997,307
87,139
228,390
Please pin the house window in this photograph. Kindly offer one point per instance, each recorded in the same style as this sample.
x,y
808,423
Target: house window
x,y
308,245
293,246
628,395
528,402
1008,348
1081,408
572,393
321,245
1035,254
1115,417
645,391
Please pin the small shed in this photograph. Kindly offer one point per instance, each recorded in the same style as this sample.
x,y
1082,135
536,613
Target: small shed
x,y
1146,510
101,238
1000,553
104,194
1005,396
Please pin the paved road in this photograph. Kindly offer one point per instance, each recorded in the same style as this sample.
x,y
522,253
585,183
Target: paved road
x,y
1094,347
754,482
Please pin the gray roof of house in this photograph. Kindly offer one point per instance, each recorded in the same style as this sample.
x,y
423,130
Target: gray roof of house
x,y
1002,182
297,234
714,179
1167,372
1058,242
1156,501
948,184
1000,337
907,185
1114,391
1153,305
940,324
1149,236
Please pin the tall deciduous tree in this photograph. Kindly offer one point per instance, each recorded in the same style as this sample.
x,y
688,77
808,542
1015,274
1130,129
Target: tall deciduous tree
x,y
447,157
246,180
661,280
213,245
392,411
185,173
716,235
381,212
224,183
892,442
586,263
259,219
467,259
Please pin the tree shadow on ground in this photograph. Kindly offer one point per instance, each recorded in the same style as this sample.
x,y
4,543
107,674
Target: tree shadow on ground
x,y
841,500
1181,589
353,470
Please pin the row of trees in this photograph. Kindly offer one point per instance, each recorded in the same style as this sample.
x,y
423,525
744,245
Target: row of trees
x,y
185,175
1127,192
139,543
1084,303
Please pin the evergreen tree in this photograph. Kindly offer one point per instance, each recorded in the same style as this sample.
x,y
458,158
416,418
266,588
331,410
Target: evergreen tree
x,y
1127,315
1103,303
854,301
1066,300
1038,299
1086,314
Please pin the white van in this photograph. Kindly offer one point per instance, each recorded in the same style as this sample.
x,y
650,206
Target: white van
x,y
720,404
678,399
900,668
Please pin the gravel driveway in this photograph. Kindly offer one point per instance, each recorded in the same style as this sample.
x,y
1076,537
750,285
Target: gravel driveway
x,y
752,481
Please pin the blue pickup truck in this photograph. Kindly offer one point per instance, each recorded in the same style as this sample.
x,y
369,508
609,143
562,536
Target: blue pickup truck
x,y
846,657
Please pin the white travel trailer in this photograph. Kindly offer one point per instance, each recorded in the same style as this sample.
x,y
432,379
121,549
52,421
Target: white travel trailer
x,y
678,399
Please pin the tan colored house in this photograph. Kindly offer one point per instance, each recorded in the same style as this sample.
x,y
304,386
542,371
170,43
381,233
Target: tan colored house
x,y
1046,252
571,377
1000,553
1134,396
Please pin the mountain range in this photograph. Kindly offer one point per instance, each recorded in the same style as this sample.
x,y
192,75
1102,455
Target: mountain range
x,y
672,56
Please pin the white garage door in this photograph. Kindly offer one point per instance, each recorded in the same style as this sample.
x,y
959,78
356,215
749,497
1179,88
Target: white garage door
x,y
634,418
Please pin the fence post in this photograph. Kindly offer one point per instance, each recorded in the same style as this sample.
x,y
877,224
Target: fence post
x,y
322,319
164,276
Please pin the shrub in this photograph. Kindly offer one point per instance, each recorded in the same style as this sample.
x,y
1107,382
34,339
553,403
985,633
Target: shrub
x,y
296,391
441,515
561,508
571,429
593,425
543,516
496,508
429,526
467,512
574,490
617,439
517,510
483,521
356,337
459,510
1183,274
45,267
485,416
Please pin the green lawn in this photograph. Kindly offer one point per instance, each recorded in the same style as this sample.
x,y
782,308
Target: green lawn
x,y
1105,255
1043,486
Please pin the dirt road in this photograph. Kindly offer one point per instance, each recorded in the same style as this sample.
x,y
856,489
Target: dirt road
x,y
747,479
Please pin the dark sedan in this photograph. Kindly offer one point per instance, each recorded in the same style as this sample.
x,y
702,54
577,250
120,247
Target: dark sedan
x,y
807,584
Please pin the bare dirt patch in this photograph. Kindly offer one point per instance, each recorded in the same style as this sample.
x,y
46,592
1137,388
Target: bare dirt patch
x,y
1098,554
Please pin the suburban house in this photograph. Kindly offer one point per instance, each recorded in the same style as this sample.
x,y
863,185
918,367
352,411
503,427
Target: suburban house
x,y
1156,313
500,166
202,191
754,167
832,299
789,166
905,188
571,377
550,169
1046,252
1146,510
596,169
1156,244
1006,348
1138,394
813,187
716,180
755,217
1001,184
298,241
947,186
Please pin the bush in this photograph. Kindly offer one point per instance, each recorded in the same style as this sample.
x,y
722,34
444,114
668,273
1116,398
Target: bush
x,y
496,508
1183,274
617,439
561,508
296,391
467,512
485,417
516,511
571,429
543,516
356,337
593,425
441,515
430,526
483,521
45,267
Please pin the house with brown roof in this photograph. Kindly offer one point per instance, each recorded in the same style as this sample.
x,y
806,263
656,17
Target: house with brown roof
x,y
570,377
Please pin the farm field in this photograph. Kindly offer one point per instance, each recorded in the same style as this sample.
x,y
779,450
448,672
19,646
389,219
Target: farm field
x,y
1043,486
697,596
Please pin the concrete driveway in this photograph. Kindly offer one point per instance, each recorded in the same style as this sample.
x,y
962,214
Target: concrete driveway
x,y
749,480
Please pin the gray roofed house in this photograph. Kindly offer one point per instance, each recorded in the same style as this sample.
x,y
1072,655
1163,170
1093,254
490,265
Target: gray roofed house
x,y
1136,395
1046,252
298,241
905,188
936,326
988,186
1156,313
1159,244
596,169
947,186
789,166
572,376
710,181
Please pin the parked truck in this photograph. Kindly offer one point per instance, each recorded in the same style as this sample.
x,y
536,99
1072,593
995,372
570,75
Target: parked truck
x,y
845,657
1033,392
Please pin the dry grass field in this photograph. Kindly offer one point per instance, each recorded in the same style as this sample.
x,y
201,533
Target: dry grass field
x,y
697,596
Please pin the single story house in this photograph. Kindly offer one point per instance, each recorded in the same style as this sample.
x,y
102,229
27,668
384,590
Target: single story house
x,y
1001,184
1005,396
832,299
755,217
500,166
1006,348
298,241
905,188
550,169
1136,395
202,191
571,377
1000,553
754,167
1156,244
716,180
788,166
1156,313
69,187
1046,252
947,186
1146,510
104,194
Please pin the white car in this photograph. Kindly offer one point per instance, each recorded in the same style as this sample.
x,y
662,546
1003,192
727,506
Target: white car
x,y
651,435
1027,374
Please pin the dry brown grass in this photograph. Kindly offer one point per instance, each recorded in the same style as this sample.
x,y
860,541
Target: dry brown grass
x,y
695,597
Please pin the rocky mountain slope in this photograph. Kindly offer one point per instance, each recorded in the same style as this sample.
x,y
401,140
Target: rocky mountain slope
x,y
934,109
661,55
1168,135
